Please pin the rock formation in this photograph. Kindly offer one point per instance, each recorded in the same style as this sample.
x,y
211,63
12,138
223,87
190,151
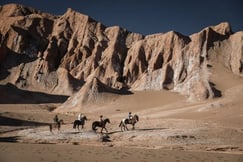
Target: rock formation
x,y
71,53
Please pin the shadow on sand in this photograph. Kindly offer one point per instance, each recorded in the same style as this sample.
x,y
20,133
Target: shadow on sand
x,y
10,94
9,139
144,129
6,121
150,129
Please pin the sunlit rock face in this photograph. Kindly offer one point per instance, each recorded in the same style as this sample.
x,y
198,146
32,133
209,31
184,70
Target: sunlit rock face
x,y
67,54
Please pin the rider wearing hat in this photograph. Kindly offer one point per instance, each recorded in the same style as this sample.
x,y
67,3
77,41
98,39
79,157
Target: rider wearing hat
x,y
80,116
101,119
130,116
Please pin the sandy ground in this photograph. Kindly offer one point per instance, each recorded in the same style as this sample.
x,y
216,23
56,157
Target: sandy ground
x,y
170,128
75,153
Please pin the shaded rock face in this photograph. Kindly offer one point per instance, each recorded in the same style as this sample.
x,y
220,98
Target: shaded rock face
x,y
61,54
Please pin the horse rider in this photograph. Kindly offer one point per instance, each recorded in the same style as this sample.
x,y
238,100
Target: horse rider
x,y
80,116
130,116
101,119
56,119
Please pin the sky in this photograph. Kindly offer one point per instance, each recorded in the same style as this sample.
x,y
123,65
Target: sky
x,y
149,16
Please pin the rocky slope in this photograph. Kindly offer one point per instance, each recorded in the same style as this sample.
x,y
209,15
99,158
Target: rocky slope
x,y
71,53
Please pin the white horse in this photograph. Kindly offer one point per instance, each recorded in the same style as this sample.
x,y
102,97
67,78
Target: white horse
x,y
124,122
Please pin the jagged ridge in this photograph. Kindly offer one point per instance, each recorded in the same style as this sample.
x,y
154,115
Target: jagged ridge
x,y
57,54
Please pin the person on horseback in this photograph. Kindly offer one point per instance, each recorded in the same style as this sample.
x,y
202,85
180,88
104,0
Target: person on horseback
x,y
80,116
130,116
101,119
56,119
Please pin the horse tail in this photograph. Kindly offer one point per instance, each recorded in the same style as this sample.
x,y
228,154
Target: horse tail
x,y
121,123
94,126
74,125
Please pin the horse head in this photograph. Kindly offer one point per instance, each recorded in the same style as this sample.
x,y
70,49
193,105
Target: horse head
x,y
85,118
61,121
107,120
136,117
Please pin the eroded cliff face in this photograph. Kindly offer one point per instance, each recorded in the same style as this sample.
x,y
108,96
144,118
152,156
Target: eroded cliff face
x,y
63,54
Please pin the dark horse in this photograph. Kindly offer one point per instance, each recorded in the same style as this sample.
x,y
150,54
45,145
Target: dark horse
x,y
56,125
124,122
81,122
100,124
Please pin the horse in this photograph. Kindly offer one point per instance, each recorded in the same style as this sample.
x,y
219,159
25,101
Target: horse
x,y
100,124
56,125
124,122
81,122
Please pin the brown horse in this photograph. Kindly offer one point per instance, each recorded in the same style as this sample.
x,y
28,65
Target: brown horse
x,y
100,124
56,125
124,122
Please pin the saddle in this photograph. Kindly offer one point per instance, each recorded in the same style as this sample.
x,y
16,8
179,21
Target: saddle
x,y
129,121
102,123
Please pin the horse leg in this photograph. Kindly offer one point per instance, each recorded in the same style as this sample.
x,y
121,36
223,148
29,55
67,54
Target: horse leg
x,y
126,127
106,130
82,128
59,127
133,126
122,127
101,130
50,126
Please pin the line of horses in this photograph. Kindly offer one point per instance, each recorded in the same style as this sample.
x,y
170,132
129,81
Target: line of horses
x,y
95,124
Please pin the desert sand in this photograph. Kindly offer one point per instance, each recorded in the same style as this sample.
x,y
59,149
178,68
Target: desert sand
x,y
48,152
170,128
